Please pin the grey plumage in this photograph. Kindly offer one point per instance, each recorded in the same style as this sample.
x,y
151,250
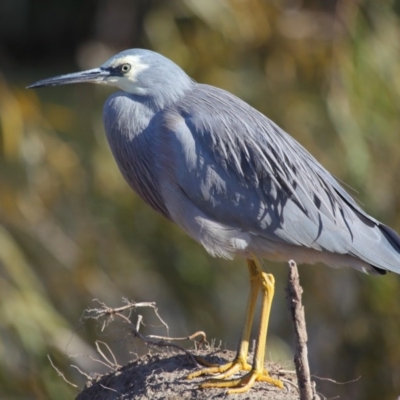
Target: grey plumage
x,y
240,174
229,176
235,182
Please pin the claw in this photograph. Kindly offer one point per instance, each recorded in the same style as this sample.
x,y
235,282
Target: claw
x,y
224,371
243,384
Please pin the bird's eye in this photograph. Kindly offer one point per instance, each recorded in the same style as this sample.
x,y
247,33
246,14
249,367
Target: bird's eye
x,y
125,68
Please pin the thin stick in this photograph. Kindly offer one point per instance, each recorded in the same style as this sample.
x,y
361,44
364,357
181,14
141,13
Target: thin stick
x,y
293,296
87,376
113,364
339,383
160,341
60,373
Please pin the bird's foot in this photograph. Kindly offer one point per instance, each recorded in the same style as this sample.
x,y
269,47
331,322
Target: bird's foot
x,y
221,371
244,383
224,371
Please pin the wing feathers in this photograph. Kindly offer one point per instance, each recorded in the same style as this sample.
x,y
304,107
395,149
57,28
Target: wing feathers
x,y
272,186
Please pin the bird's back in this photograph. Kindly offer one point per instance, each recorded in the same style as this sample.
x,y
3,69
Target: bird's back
x,y
242,171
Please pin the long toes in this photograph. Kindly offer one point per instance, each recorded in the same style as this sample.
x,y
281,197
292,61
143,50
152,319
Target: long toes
x,y
220,383
229,372
265,377
217,369
236,367
221,371
243,384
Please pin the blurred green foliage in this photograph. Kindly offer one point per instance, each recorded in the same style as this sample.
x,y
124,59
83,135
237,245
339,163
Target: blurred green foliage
x,y
71,229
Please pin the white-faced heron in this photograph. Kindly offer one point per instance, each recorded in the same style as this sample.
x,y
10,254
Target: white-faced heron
x,y
234,181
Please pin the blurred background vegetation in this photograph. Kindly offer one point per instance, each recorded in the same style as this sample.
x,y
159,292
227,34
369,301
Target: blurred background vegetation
x,y
71,230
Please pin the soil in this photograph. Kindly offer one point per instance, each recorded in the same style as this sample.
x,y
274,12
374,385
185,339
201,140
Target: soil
x,y
163,376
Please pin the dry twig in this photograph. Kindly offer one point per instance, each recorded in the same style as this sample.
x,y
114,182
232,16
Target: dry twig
x,y
294,292
336,382
60,373
153,340
113,364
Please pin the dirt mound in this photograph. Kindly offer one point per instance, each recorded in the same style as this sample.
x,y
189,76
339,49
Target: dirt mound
x,y
163,376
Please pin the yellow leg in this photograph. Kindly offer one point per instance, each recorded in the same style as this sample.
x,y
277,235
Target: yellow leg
x,y
240,362
265,282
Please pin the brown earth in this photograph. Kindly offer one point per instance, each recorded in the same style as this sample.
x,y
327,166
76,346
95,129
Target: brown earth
x,y
163,376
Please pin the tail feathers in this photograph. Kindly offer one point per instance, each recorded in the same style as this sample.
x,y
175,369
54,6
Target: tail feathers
x,y
379,271
384,256
376,244
394,239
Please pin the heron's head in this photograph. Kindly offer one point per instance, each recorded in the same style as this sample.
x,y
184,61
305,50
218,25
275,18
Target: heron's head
x,y
136,71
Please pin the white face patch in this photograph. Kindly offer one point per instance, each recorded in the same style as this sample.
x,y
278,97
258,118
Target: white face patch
x,y
127,82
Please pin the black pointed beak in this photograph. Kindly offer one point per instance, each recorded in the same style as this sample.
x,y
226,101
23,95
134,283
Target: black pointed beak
x,y
96,75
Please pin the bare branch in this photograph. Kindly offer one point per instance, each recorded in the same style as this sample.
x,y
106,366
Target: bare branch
x,y
107,388
87,376
293,294
107,364
153,340
114,364
336,382
175,339
102,362
59,373
139,322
